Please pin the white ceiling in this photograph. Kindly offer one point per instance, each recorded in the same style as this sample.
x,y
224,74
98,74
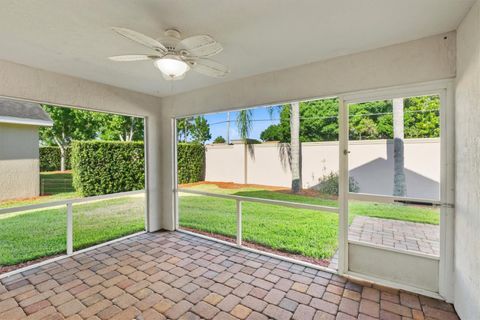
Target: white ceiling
x,y
73,37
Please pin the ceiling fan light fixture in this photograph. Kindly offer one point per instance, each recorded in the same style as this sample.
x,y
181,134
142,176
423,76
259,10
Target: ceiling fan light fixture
x,y
174,56
172,67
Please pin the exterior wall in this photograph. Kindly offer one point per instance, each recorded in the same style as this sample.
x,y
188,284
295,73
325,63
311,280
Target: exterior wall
x,y
19,81
230,161
19,161
264,166
371,165
467,196
427,59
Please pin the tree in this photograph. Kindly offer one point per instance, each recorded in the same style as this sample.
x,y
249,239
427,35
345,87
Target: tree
x,y
399,188
319,122
295,147
200,130
68,124
369,120
183,130
244,123
422,117
272,133
118,127
194,129
219,139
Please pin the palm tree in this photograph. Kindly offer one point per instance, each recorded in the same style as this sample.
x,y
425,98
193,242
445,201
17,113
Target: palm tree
x,y
244,125
399,186
295,148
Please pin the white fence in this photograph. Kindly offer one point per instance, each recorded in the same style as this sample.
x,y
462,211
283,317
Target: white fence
x,y
370,162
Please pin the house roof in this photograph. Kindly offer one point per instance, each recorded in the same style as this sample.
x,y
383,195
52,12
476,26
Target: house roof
x,y
23,112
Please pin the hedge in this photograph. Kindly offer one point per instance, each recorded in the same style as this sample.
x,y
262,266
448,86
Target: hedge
x,y
191,162
104,167
50,159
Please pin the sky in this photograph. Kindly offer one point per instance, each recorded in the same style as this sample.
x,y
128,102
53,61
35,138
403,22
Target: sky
x,y
218,125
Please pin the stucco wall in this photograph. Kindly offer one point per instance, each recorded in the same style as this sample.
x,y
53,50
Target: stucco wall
x,y
19,164
371,165
226,157
467,197
19,81
428,59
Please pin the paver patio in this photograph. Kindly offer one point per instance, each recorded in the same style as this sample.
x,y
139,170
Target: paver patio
x,y
411,236
171,275
404,235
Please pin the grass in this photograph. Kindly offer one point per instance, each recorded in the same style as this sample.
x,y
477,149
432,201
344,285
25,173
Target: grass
x,y
56,182
54,192
30,235
38,200
306,232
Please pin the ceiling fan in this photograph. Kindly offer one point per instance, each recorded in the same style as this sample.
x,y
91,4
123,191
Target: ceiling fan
x,y
174,56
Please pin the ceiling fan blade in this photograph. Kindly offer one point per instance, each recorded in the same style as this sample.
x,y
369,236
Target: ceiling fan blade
x,y
132,57
209,67
141,39
201,46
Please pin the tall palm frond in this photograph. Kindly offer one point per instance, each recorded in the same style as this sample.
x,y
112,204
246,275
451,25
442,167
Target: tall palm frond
x,y
244,123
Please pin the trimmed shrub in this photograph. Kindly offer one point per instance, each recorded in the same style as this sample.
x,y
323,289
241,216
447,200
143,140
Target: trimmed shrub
x,y
50,159
328,184
219,139
104,167
191,162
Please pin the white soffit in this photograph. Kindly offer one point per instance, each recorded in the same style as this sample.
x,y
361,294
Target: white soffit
x,y
74,37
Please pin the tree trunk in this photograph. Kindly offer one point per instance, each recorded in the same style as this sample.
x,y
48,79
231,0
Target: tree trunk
x,y
62,152
295,147
62,158
132,124
399,186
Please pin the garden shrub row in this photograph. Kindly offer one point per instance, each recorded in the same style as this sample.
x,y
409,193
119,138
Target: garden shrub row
x,y
50,159
191,162
104,167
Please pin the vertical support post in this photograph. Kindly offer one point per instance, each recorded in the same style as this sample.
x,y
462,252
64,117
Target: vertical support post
x,y
447,192
176,199
343,186
239,223
69,228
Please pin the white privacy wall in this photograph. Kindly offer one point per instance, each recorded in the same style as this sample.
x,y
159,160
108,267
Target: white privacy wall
x,y
19,81
427,59
371,165
467,198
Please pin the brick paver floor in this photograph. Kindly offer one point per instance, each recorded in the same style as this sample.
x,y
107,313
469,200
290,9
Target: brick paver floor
x,y
411,236
171,275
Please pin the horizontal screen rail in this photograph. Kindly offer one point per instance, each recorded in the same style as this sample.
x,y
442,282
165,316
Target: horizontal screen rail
x,y
391,199
261,200
69,202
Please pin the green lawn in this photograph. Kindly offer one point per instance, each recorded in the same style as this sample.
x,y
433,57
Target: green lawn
x,y
306,232
56,182
29,235
55,192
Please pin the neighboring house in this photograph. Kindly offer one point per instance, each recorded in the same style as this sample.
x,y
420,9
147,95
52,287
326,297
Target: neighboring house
x,y
19,148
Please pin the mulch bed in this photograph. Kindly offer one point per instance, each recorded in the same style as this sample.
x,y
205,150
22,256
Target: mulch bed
x,y
231,185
